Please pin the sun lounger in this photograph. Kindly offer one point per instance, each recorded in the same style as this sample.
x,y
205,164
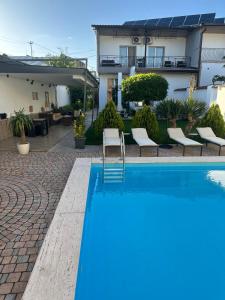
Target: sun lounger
x,y
206,133
111,138
141,138
178,136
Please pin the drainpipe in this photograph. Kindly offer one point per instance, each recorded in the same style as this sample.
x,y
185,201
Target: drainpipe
x,y
145,57
200,58
119,93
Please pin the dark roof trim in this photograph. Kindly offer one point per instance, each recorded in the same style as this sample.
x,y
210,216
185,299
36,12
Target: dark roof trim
x,y
8,65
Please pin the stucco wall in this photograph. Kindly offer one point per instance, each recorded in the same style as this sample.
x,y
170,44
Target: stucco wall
x,y
210,69
213,40
17,93
63,95
173,46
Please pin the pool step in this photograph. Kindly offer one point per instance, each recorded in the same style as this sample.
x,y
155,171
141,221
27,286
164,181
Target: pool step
x,y
113,174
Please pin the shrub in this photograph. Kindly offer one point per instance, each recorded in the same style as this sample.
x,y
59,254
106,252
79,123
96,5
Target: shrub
x,y
144,87
108,118
214,119
169,109
192,110
145,118
79,126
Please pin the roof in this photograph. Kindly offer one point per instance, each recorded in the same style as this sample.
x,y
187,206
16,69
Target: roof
x,y
46,74
180,22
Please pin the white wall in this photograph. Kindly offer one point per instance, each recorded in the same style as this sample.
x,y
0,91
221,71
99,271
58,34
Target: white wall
x,y
63,95
176,81
110,45
213,40
17,93
221,99
209,70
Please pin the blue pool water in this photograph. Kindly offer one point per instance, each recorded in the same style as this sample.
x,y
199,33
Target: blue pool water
x,y
159,235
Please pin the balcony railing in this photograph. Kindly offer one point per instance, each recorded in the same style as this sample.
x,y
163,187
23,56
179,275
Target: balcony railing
x,y
142,62
213,54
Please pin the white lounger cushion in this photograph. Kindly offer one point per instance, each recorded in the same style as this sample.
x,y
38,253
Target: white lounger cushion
x,y
141,137
177,135
207,133
111,137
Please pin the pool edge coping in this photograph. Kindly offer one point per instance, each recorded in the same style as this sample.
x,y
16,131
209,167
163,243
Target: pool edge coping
x,y
55,271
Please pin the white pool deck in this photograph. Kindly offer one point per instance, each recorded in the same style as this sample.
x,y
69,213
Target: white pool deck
x,y
55,271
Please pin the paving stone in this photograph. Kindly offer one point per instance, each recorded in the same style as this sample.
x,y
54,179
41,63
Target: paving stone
x,y
19,287
34,185
6,288
10,297
14,277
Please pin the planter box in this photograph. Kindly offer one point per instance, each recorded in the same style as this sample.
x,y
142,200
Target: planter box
x,y
80,142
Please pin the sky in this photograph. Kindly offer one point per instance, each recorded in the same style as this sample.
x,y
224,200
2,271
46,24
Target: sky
x,y
56,26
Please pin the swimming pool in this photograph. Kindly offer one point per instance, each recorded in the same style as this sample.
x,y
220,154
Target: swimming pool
x,y
159,234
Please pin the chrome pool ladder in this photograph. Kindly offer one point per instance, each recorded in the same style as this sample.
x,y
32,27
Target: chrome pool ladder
x,y
114,168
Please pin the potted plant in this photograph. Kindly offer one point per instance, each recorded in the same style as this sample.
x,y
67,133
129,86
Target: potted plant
x,y
19,123
79,132
218,79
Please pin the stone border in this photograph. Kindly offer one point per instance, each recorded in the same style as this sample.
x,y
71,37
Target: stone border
x,y
55,271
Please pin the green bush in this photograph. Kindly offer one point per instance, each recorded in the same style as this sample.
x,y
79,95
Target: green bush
x,y
169,109
108,118
145,118
144,87
214,119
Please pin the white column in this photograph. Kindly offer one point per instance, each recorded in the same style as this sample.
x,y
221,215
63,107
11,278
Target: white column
x,y
119,93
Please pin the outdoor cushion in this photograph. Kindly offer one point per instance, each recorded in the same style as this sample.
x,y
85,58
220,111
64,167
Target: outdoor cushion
x,y
141,137
207,133
177,135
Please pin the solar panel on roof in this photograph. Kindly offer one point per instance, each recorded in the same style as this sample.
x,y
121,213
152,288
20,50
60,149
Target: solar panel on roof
x,y
164,22
192,20
207,18
152,22
219,21
141,22
177,21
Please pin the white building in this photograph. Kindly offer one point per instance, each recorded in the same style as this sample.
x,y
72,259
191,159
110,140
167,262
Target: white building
x,y
178,48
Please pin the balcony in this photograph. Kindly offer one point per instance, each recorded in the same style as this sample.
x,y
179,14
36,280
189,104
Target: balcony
x,y
121,63
213,54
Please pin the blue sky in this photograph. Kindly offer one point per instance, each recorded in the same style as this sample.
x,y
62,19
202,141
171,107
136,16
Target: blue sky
x,y
55,25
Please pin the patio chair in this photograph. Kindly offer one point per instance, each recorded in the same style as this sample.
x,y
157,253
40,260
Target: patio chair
x,y
206,133
178,136
111,138
141,138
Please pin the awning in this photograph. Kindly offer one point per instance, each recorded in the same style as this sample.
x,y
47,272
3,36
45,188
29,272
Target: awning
x,y
47,74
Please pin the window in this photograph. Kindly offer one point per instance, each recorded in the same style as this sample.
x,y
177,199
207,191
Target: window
x,y
35,95
155,57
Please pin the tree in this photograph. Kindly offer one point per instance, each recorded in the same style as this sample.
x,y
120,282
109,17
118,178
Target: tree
x,y
108,118
193,109
170,110
144,87
145,118
214,119
61,61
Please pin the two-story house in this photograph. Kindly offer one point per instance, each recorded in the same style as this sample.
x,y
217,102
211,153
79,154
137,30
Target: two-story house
x,y
176,47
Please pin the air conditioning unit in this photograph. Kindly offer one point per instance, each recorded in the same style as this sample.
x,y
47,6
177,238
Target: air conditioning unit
x,y
136,40
147,40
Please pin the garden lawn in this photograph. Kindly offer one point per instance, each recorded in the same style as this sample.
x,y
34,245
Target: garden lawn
x,y
163,138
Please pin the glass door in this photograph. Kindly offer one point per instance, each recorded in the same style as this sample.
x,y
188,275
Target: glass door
x,y
155,57
124,56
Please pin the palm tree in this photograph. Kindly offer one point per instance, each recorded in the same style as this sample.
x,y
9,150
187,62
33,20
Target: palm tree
x,y
170,110
193,109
